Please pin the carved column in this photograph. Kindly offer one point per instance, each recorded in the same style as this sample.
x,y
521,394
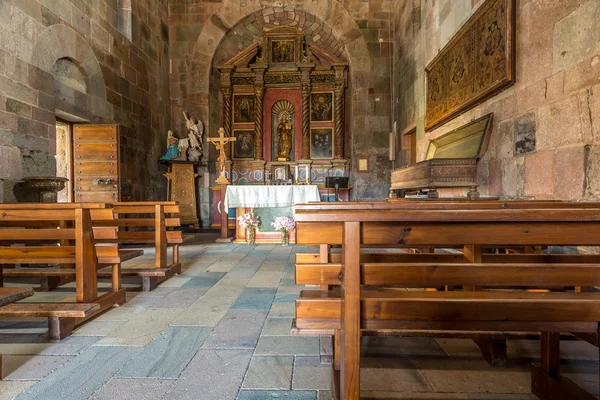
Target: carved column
x,y
306,88
259,91
226,90
340,110
340,118
306,122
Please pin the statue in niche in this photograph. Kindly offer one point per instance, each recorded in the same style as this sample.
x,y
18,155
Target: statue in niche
x,y
173,152
193,144
284,136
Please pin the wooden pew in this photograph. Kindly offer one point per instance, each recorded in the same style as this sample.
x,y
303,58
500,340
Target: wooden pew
x,y
154,224
108,253
77,248
367,306
11,295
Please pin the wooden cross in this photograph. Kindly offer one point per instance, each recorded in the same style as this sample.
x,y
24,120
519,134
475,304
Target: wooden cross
x,y
220,143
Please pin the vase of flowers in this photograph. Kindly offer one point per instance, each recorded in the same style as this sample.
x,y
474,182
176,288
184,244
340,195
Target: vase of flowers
x,y
285,225
249,221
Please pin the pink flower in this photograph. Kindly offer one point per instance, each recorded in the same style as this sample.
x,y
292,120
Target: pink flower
x,y
284,224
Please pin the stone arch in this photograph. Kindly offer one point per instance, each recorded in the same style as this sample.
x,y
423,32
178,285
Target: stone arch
x,y
58,42
333,17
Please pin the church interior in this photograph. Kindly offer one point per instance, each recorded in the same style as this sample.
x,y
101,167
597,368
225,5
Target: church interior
x,y
299,199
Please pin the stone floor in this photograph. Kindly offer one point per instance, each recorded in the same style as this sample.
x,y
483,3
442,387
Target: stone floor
x,y
220,331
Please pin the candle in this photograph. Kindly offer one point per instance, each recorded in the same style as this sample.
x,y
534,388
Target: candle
x,y
307,176
296,173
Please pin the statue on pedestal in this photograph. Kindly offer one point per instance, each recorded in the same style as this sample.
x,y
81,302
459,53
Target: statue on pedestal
x,y
173,152
284,135
193,144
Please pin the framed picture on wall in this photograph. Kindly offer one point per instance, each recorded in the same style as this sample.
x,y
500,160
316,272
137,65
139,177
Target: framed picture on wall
x,y
321,107
243,108
243,147
283,51
321,143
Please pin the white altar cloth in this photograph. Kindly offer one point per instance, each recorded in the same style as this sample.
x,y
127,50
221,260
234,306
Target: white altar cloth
x,y
255,196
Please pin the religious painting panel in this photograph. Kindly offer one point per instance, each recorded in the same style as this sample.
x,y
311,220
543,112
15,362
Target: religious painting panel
x,y
321,107
243,147
476,63
243,108
283,51
321,143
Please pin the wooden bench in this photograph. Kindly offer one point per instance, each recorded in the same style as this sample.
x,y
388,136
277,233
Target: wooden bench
x,y
8,296
77,248
154,224
107,253
369,299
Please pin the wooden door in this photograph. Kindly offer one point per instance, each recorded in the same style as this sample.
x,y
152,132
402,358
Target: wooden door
x,y
96,163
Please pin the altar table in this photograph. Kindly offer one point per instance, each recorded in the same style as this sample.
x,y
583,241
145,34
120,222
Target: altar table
x,y
268,202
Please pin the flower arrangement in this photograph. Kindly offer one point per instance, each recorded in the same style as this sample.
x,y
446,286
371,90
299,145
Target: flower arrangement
x,y
248,220
284,224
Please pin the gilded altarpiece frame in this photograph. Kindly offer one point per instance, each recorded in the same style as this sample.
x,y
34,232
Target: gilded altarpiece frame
x,y
478,62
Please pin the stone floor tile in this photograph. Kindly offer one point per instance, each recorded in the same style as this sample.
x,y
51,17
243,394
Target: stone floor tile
x,y
120,313
39,345
96,328
11,389
141,329
282,310
181,298
243,271
583,373
168,354
29,367
474,376
206,311
310,373
269,373
277,326
216,374
138,389
254,299
277,394
82,376
285,298
401,346
159,291
326,345
237,329
288,345
459,348
227,288
176,281
569,350
392,374
206,279
265,279
325,395
141,301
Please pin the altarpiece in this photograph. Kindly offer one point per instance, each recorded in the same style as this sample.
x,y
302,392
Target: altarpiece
x,y
284,102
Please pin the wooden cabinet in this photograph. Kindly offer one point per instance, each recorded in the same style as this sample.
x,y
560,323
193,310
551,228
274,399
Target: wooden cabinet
x,y
96,163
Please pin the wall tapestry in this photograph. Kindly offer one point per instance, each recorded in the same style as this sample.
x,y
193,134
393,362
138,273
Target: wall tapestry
x,y
476,63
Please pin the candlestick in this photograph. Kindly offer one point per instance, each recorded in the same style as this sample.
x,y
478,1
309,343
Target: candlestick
x,y
296,174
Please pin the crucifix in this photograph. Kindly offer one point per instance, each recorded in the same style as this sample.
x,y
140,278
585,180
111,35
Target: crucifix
x,y
220,143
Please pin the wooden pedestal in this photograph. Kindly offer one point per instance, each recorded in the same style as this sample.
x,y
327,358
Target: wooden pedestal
x,y
182,189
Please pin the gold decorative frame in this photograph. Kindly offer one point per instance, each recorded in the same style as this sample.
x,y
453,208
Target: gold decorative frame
x,y
478,62
332,143
331,104
234,109
233,157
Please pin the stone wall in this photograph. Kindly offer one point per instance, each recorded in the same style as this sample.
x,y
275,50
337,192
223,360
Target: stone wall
x,y
67,58
202,33
547,126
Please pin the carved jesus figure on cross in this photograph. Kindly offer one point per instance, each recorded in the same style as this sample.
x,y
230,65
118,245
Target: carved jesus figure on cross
x,y
220,143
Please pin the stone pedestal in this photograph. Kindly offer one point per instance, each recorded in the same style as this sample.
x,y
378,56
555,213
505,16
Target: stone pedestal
x,y
42,189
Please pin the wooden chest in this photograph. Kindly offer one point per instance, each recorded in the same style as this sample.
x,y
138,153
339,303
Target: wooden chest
x,y
451,161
